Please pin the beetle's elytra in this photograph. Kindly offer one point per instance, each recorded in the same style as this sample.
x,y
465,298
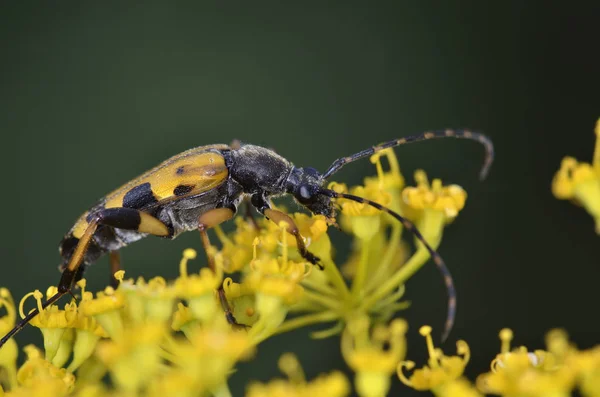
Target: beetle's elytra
x,y
203,187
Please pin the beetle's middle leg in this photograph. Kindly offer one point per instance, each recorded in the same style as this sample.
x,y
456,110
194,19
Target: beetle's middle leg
x,y
206,221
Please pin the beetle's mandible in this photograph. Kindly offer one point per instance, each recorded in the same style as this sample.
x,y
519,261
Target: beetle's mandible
x,y
203,187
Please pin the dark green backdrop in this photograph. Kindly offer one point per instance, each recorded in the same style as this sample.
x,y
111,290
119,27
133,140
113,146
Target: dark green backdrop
x,y
93,93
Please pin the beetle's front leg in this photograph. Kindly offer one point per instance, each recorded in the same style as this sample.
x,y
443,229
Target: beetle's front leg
x,y
262,205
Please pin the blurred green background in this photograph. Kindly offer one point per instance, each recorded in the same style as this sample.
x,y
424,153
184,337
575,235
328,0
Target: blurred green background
x,y
94,93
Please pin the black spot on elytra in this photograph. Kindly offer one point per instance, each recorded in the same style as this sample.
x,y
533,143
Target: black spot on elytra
x,y
139,197
180,170
182,189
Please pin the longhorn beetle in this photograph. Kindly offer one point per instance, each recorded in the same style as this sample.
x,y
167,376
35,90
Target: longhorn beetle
x,y
203,187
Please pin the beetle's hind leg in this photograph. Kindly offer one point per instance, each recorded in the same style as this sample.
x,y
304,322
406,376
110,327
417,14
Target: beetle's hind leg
x,y
206,221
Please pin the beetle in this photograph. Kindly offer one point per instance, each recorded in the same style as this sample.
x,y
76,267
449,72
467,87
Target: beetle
x,y
202,188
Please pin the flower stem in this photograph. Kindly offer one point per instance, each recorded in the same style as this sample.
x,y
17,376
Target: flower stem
x,y
361,270
431,226
326,301
309,319
335,277
320,287
392,248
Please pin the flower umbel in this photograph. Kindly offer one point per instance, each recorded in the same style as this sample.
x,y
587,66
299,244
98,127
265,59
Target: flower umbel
x,y
185,337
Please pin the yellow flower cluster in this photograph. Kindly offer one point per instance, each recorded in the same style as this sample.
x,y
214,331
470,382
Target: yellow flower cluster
x,y
554,372
129,334
157,337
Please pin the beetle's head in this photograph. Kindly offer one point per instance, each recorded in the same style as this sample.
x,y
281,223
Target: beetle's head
x,y
305,185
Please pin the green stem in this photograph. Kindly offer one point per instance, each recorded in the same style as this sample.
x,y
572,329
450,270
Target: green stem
x,y
322,288
303,321
361,270
392,249
431,226
328,302
335,277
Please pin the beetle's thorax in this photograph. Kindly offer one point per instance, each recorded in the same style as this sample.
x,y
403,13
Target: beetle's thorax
x,y
259,170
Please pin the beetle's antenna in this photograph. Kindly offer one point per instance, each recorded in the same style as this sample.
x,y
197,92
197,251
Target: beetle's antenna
x,y
19,326
437,259
463,134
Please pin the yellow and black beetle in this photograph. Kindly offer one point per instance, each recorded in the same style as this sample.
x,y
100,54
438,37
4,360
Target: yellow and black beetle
x,y
203,187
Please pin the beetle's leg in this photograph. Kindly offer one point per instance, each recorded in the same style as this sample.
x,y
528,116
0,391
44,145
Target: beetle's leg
x,y
129,219
132,219
207,220
115,265
248,214
277,217
123,218
72,268
69,273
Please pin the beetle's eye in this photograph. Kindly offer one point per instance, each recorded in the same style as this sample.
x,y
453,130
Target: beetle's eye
x,y
305,192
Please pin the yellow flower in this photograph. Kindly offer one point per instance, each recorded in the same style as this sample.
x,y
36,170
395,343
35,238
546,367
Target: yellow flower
x,y
9,352
149,301
210,354
448,200
183,320
538,373
51,321
589,375
105,308
174,384
276,282
82,338
366,355
391,180
134,358
38,377
334,384
441,371
243,301
363,220
237,247
580,182
199,289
